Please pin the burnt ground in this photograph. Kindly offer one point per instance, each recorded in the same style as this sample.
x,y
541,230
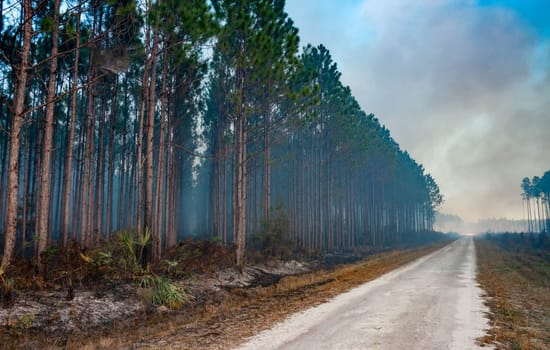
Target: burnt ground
x,y
35,316
225,305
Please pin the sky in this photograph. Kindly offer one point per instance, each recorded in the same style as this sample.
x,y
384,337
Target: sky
x,y
463,86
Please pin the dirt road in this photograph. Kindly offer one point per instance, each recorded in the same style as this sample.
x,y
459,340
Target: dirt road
x,y
433,303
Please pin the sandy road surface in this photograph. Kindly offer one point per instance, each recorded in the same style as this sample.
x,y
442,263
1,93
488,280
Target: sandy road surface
x,y
432,303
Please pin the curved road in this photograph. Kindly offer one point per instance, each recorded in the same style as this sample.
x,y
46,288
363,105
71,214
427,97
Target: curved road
x,y
432,303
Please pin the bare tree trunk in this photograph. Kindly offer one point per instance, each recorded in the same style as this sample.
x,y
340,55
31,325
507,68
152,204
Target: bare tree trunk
x,y
538,213
150,137
55,224
161,173
110,163
3,171
87,207
37,182
173,198
132,203
224,210
170,239
240,219
15,139
99,179
79,184
26,187
266,205
235,188
87,164
240,180
123,193
139,142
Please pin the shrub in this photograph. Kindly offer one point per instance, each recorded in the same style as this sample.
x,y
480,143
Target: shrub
x,y
274,240
127,251
198,256
163,292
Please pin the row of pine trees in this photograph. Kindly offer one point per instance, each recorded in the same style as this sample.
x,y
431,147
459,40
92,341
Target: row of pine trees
x,y
189,117
536,202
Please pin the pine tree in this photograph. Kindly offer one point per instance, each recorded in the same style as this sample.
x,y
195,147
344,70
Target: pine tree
x,y
12,195
45,186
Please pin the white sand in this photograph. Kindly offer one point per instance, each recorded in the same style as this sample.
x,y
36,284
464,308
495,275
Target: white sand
x,y
432,303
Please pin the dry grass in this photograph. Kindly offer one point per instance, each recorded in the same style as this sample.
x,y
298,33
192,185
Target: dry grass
x,y
222,320
518,286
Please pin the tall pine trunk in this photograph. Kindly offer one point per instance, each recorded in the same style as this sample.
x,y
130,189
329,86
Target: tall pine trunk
x,y
99,179
12,197
45,186
266,205
111,162
240,183
142,125
161,173
148,219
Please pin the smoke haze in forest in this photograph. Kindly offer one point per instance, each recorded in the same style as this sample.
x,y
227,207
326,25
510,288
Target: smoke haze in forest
x,y
463,85
288,150
453,223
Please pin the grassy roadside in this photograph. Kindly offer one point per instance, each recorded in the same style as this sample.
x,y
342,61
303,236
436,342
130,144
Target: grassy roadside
x,y
221,321
517,281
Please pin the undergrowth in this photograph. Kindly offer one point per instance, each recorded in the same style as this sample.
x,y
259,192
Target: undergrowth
x,y
215,313
273,240
223,319
162,291
121,260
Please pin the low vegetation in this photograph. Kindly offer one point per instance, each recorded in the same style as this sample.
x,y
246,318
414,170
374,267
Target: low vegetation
x,y
223,319
92,297
119,261
514,270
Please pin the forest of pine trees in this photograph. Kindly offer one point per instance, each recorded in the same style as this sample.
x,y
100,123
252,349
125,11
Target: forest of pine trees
x,y
536,201
189,118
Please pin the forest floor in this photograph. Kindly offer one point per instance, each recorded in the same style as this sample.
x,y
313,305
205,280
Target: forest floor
x,y
224,319
224,307
516,278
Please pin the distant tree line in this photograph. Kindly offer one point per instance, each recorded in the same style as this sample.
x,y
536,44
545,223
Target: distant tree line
x,y
189,118
536,201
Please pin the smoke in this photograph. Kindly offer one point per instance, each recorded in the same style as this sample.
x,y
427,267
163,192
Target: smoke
x,y
453,223
464,88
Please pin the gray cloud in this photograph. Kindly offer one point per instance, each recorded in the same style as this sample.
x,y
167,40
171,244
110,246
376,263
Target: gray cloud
x,y
464,89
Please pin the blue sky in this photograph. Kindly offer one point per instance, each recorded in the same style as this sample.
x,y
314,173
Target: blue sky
x,y
533,12
463,85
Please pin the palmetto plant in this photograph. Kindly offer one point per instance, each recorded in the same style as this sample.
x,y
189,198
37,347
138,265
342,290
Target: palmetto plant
x,y
144,239
134,245
163,292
